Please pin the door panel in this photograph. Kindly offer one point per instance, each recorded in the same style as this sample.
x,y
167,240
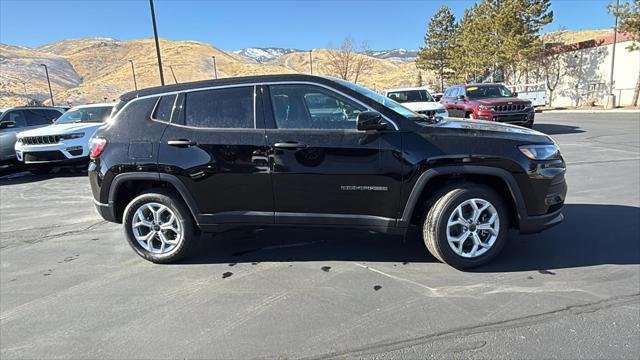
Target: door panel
x,y
330,176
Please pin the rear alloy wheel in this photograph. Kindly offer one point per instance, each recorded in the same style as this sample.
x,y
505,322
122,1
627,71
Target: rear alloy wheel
x,y
159,226
467,226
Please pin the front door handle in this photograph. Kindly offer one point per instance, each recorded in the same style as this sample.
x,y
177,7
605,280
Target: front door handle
x,y
289,145
181,143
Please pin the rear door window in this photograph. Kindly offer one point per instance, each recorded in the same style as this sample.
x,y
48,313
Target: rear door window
x,y
220,108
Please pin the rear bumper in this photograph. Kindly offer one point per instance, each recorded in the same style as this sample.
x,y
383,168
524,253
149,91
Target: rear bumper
x,y
107,211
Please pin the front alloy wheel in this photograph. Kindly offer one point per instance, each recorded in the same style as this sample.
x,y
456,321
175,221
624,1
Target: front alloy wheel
x,y
473,228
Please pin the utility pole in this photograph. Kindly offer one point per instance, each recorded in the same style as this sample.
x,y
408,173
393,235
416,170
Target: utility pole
x,y
173,74
311,61
46,71
155,35
215,69
611,99
133,72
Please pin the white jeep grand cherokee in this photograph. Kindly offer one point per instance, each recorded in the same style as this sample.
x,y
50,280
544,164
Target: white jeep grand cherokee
x,y
65,141
417,99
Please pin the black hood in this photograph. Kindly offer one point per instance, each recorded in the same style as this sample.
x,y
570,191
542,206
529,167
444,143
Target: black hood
x,y
486,129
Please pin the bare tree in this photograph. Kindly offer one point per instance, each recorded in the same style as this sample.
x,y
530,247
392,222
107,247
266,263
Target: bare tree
x,y
363,62
341,61
348,62
550,61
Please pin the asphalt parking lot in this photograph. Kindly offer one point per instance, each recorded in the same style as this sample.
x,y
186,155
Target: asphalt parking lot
x,y
71,287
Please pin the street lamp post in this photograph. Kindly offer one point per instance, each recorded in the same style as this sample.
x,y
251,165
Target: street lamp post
x,y
311,61
215,69
155,35
133,72
46,71
612,99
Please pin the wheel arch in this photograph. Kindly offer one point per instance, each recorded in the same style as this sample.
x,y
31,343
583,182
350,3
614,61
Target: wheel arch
x,y
433,180
127,186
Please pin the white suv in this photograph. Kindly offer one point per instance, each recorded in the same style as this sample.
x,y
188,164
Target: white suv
x,y
417,99
65,141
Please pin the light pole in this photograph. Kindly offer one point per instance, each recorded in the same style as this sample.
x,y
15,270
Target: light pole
x,y
311,61
133,72
613,55
173,74
46,71
215,69
155,35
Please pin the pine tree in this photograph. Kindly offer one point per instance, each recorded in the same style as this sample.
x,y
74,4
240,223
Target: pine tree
x,y
439,43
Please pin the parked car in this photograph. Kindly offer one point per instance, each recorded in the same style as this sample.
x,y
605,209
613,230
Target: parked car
x,y
437,96
20,118
417,99
255,151
65,141
491,102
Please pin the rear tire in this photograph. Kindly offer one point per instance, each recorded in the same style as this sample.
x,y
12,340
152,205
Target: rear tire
x,y
159,226
482,240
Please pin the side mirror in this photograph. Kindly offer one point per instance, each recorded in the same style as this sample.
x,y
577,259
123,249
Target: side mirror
x,y
461,98
370,120
7,124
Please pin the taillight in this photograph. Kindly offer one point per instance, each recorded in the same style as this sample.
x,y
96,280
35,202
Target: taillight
x,y
96,145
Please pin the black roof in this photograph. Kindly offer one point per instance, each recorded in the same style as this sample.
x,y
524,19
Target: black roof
x,y
226,81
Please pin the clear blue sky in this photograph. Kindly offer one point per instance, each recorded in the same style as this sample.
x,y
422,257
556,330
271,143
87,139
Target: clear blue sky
x,y
238,24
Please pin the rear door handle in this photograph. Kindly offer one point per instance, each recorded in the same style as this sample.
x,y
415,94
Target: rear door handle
x,y
289,145
181,143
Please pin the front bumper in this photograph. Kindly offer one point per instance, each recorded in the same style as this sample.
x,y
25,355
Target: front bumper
x,y
68,151
549,188
507,117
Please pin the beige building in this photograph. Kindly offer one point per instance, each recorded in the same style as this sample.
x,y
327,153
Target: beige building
x,y
587,69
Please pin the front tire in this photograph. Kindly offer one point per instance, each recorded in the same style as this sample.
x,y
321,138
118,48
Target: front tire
x,y
159,226
467,226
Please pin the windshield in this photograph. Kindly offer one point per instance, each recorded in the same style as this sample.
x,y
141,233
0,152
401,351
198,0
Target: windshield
x,y
379,99
410,96
85,115
488,91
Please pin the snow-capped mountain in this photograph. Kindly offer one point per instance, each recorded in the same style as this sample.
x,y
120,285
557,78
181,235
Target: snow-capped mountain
x,y
262,55
394,54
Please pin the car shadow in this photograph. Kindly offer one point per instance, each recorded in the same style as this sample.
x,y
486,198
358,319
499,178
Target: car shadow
x,y
590,235
555,129
18,174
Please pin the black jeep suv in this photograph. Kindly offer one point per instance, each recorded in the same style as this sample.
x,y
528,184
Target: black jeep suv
x,y
299,150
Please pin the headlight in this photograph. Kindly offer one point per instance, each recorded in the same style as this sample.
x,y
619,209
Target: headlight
x,y
19,140
485,107
72,136
540,152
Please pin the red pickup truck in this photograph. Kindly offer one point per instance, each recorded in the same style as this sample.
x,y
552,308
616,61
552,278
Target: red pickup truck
x,y
492,102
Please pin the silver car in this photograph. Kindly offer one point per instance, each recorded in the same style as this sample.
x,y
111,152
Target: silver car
x,y
20,118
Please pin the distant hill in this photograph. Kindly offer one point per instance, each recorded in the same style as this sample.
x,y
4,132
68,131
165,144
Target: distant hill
x,y
98,69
